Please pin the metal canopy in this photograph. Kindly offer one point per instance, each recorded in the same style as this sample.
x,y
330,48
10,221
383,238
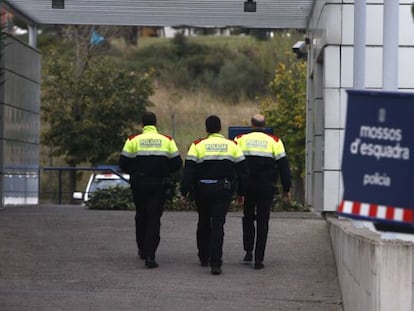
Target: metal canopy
x,y
197,13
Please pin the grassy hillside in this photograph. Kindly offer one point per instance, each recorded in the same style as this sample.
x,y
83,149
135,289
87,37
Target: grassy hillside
x,y
198,76
182,115
185,89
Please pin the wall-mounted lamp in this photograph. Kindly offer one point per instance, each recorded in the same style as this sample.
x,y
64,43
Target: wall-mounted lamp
x,y
58,4
249,6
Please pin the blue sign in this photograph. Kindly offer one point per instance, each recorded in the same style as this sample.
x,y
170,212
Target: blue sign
x,y
377,165
237,130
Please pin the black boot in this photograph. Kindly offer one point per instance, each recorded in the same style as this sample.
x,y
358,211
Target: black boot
x,y
215,270
141,254
151,263
248,257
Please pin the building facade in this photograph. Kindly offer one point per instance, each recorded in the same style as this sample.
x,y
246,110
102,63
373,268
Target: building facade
x,y
20,122
330,73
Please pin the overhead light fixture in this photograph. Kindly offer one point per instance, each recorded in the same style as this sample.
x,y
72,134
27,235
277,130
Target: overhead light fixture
x,y
58,4
249,6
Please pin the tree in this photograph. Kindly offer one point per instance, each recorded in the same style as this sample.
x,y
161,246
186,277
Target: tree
x,y
89,102
286,113
90,115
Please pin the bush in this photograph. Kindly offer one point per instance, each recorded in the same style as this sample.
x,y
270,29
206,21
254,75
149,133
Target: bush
x,y
114,198
227,72
120,198
238,78
293,206
177,204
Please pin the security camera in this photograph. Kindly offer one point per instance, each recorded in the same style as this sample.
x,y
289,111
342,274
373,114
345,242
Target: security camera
x,y
58,4
300,49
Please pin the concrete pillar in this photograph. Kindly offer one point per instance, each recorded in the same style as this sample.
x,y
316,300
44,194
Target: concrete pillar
x,y
390,45
32,35
360,13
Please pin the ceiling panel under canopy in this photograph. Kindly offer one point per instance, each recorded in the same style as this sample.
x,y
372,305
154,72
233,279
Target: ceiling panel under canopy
x,y
197,13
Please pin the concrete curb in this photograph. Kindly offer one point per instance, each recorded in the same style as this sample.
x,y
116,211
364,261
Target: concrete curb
x,y
374,274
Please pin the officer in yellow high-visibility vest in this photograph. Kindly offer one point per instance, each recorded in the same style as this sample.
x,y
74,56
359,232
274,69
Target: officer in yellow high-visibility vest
x,y
150,158
264,154
209,174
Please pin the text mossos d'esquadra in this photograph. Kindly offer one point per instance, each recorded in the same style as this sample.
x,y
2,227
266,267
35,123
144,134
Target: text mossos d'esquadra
x,y
386,146
379,143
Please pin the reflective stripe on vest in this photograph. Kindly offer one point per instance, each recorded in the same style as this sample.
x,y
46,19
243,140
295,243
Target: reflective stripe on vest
x,y
214,147
150,142
262,145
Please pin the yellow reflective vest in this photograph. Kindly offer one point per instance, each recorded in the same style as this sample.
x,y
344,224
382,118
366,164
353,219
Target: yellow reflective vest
x,y
214,147
214,158
150,154
264,154
261,144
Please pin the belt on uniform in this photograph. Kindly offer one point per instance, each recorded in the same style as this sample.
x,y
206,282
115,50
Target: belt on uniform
x,y
226,183
208,181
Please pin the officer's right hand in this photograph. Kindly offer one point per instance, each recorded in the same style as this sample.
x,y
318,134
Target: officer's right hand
x,y
240,200
286,196
185,200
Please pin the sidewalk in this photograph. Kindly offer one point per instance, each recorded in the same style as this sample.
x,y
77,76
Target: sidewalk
x,y
71,258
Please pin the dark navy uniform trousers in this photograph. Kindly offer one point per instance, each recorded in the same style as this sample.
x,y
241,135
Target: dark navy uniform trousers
x,y
257,206
149,198
213,202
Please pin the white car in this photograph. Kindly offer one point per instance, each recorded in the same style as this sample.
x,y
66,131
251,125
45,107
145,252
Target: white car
x,y
101,181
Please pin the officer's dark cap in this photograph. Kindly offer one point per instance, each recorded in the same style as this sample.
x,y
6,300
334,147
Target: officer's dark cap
x,y
213,124
148,118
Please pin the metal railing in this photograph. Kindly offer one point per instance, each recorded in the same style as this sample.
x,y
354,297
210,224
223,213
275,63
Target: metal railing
x,y
61,169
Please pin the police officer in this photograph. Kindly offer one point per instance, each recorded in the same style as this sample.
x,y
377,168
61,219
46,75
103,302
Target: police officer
x,y
264,154
210,167
150,158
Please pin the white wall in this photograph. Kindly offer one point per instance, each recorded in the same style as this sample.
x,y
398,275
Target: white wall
x,y
374,274
330,60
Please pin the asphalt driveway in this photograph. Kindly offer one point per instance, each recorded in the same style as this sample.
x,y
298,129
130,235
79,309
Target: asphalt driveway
x,y
71,258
